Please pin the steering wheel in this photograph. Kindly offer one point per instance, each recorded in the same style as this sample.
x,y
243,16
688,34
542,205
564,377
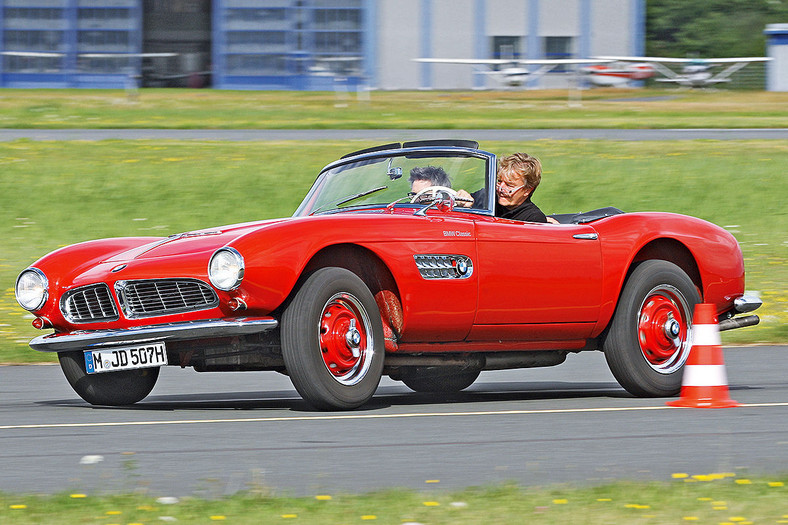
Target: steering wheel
x,y
435,191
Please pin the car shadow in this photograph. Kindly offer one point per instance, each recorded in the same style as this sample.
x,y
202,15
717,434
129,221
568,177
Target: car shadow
x,y
385,397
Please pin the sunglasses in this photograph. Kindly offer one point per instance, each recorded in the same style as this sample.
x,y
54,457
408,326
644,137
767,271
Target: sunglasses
x,y
505,190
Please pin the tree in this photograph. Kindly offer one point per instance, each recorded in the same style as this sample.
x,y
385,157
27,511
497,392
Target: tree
x,y
710,28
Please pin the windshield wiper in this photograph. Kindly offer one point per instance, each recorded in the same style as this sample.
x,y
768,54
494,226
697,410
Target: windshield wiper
x,y
345,200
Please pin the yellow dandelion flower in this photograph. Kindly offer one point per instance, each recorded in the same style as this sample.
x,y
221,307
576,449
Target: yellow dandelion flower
x,y
289,516
369,517
690,518
432,481
114,512
77,496
560,501
704,499
679,475
431,504
776,484
604,499
743,482
17,507
218,518
322,497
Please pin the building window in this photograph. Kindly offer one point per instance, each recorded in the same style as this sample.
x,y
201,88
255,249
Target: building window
x,y
506,47
558,47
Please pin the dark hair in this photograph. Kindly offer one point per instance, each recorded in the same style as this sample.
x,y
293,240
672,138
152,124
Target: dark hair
x,y
434,174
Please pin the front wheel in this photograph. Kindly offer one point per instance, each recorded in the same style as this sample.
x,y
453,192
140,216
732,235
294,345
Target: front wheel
x,y
649,338
332,340
125,387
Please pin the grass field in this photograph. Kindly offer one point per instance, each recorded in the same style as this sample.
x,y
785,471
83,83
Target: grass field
x,y
598,108
712,498
58,193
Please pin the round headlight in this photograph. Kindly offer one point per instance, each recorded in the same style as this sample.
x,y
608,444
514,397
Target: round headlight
x,y
226,269
31,289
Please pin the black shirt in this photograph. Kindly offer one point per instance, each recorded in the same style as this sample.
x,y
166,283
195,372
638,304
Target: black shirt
x,y
527,211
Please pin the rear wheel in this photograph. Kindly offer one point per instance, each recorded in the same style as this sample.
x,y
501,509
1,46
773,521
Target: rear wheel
x,y
332,340
109,388
649,338
438,379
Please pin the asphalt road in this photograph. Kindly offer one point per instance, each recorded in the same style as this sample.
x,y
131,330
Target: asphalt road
x,y
387,135
217,433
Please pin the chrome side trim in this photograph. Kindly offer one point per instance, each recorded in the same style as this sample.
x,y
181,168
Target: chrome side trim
x,y
586,236
82,340
746,303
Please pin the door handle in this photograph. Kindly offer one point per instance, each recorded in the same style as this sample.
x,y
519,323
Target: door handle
x,y
586,236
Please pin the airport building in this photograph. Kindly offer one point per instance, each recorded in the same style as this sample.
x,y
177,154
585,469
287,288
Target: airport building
x,y
302,44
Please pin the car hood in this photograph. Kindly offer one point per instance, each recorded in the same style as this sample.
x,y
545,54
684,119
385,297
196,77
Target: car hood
x,y
196,241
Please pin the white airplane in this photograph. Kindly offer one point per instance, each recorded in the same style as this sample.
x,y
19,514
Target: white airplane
x,y
617,74
511,71
695,72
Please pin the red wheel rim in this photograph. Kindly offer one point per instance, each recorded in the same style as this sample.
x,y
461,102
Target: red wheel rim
x,y
663,328
345,338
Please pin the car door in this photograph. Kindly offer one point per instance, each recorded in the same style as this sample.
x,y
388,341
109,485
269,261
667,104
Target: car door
x,y
433,259
537,281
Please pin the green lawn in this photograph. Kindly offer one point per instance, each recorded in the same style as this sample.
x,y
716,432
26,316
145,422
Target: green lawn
x,y
58,193
722,498
597,108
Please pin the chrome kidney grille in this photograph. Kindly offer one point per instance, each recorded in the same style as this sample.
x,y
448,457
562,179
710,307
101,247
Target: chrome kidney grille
x,y
89,304
152,297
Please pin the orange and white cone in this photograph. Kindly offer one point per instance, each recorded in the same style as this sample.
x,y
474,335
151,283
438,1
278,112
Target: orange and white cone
x,y
705,383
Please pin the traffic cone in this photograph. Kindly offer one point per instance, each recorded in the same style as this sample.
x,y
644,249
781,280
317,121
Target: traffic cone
x,y
705,383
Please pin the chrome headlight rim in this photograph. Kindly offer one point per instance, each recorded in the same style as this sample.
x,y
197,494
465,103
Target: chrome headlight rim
x,y
228,283
44,285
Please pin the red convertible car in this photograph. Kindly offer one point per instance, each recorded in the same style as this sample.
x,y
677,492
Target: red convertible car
x,y
368,278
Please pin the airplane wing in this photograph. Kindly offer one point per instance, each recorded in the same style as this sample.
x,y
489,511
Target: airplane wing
x,y
670,60
35,54
40,54
657,60
491,61
736,60
504,61
126,55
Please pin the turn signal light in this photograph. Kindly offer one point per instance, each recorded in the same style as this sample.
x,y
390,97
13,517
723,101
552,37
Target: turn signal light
x,y
39,323
236,304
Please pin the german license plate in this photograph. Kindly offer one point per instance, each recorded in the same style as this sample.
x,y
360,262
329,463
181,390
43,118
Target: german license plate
x,y
125,358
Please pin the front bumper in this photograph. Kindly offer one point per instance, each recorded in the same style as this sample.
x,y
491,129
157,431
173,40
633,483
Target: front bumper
x,y
186,331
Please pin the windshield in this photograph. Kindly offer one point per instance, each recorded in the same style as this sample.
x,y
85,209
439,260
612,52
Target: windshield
x,y
381,180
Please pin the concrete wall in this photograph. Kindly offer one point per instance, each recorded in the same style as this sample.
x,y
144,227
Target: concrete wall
x,y
409,29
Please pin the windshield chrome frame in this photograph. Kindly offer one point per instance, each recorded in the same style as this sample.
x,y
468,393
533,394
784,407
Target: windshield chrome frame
x,y
446,151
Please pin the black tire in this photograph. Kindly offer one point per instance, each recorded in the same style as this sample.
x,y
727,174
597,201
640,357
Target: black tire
x,y
648,341
319,345
438,379
109,388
